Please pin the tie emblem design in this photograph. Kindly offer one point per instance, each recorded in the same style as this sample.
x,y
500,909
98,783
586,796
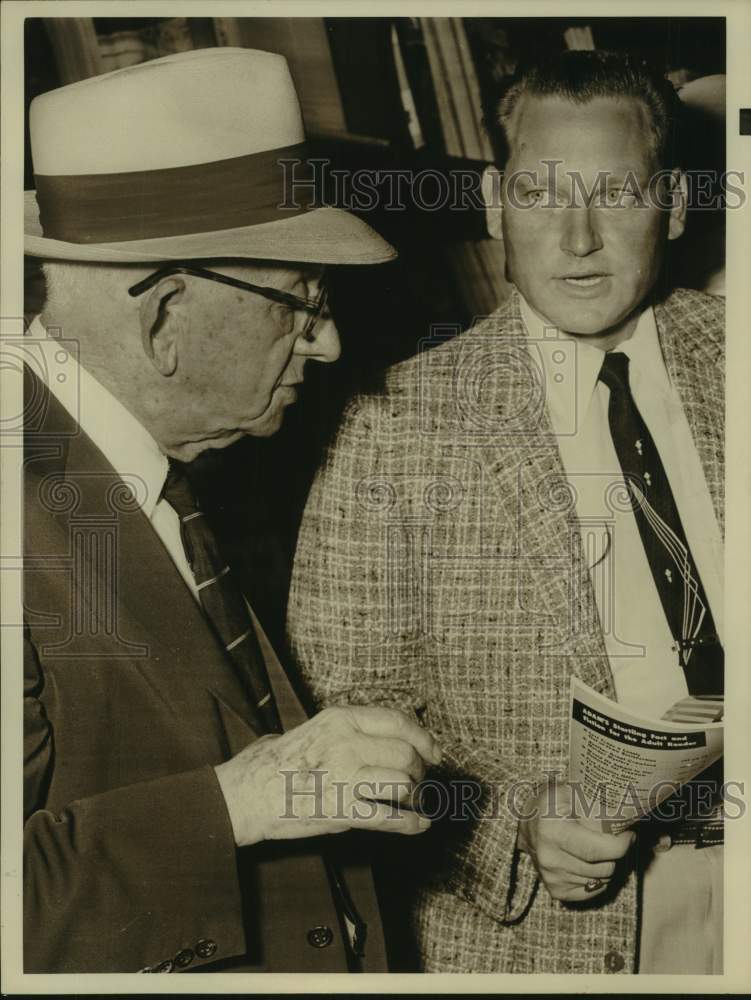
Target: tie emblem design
x,y
694,607
673,568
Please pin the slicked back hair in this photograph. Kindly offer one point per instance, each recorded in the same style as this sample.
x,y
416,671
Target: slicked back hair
x,y
580,76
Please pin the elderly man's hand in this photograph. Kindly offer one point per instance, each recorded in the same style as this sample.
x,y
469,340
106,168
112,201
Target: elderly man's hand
x,y
567,854
344,768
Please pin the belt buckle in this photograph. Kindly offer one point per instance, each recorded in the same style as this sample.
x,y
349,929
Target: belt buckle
x,y
710,833
699,833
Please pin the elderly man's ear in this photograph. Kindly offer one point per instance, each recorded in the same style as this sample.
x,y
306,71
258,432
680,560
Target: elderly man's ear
x,y
678,188
492,179
162,318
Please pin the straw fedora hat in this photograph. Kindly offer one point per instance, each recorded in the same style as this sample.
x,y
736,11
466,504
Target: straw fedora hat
x,y
179,159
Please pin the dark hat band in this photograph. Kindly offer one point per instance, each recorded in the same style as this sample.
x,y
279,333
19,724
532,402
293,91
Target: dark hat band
x,y
176,201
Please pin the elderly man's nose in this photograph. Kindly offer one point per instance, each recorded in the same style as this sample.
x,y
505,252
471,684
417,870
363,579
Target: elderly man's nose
x,y
324,345
579,234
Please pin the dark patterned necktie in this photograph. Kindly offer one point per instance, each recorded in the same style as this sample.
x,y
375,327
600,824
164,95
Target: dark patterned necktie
x,y
675,574
226,610
222,600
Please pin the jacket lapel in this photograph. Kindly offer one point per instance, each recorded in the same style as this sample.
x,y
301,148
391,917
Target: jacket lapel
x,y
527,467
694,358
155,622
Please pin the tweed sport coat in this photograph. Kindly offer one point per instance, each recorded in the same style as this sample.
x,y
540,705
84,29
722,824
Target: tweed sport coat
x,y
129,859
440,568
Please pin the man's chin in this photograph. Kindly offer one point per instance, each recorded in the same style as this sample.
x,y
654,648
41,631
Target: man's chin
x,y
266,428
189,451
264,425
271,420
586,322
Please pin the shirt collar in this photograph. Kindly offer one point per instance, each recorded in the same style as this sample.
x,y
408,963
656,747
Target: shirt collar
x,y
646,363
121,438
571,367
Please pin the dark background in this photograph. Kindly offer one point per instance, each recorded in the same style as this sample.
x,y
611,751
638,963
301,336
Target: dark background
x,y
255,491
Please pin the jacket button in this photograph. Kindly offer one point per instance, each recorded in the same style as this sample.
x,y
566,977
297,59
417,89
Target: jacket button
x,y
320,937
614,961
184,958
166,966
205,948
664,843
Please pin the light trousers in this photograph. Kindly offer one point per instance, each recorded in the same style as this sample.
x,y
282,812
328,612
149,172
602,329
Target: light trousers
x,y
682,914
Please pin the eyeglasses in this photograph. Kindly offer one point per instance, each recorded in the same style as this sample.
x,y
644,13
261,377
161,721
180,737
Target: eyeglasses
x,y
315,307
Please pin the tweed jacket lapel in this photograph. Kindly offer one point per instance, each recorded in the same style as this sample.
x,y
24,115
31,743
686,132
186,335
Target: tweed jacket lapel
x,y
693,349
524,462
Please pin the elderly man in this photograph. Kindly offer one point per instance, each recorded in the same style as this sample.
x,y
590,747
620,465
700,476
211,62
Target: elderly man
x,y
174,791
470,541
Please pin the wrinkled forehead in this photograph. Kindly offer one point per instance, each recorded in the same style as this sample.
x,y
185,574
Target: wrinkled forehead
x,y
602,133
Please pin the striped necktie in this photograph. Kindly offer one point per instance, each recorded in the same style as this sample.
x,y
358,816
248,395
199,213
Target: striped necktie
x,y
227,611
675,573
221,599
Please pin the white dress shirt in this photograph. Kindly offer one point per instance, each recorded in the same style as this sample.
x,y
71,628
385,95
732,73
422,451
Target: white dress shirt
x,y
121,438
647,674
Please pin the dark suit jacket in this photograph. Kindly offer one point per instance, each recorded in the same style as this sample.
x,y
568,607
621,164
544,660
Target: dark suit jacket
x,y
130,861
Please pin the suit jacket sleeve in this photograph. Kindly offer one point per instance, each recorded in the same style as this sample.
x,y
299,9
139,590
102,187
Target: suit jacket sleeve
x,y
125,879
344,630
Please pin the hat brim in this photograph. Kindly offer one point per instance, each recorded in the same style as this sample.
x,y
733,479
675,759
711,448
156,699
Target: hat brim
x,y
320,236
